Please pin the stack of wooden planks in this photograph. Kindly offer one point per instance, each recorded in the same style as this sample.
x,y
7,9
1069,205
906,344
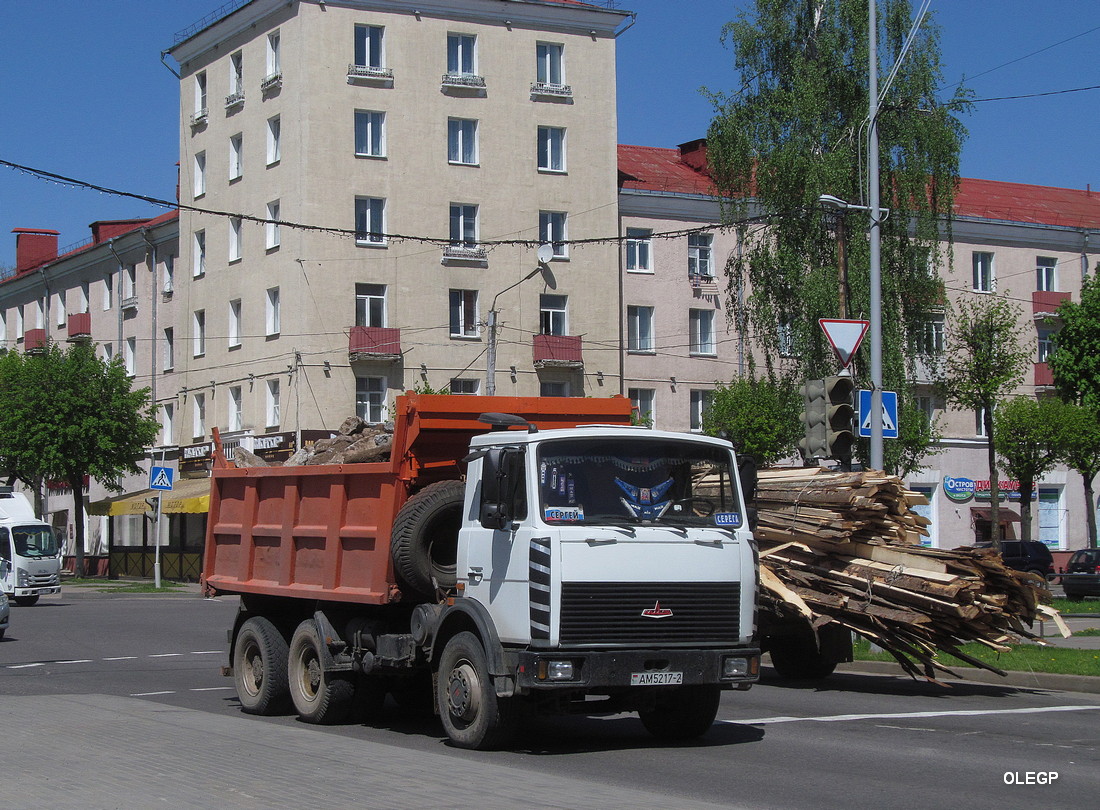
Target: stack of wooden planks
x,y
845,548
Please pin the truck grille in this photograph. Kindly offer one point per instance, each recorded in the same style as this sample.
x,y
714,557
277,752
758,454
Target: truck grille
x,y
676,613
42,580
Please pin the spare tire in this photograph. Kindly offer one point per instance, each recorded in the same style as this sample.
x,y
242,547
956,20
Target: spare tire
x,y
424,543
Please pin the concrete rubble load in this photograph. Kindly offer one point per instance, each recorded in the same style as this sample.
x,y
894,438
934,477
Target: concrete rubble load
x,y
355,442
845,548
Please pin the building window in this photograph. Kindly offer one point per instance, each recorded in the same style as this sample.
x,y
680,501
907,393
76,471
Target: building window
x,y
274,58
236,77
200,174
234,420
700,255
638,249
129,358
169,274
108,353
198,267
274,135
368,46
641,400
235,323
639,329
462,141
699,405
552,315
551,388
167,422
933,338
979,423
463,225
200,95
701,329
785,339
549,67
1046,274
129,282
271,312
552,232
198,333
369,221
461,55
1045,344
169,348
464,320
273,417
551,149
271,227
234,239
983,272
236,160
926,407
463,386
198,416
85,296
59,301
370,399
370,133
108,297
370,304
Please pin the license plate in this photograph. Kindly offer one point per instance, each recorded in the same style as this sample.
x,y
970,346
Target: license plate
x,y
656,678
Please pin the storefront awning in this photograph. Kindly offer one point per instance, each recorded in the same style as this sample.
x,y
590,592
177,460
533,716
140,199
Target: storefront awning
x,y
189,495
982,513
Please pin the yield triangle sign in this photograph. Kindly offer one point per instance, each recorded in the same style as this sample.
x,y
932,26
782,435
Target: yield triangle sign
x,y
844,336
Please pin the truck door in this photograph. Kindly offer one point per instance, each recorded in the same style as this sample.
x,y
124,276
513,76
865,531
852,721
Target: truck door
x,y
7,569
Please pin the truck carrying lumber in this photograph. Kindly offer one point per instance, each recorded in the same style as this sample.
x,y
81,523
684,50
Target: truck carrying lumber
x,y
510,556
840,553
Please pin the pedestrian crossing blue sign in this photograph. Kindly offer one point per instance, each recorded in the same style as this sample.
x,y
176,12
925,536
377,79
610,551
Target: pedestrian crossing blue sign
x,y
889,414
161,478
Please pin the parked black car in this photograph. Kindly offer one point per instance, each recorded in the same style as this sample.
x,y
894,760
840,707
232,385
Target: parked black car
x,y
1030,555
1084,570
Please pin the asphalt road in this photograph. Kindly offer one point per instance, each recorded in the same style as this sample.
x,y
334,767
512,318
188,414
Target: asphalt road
x,y
853,741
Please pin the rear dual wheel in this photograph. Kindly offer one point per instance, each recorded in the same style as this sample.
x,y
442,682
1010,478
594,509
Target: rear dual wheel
x,y
260,667
319,697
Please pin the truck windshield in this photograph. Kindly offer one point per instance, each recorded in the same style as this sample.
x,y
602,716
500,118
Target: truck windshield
x,y
34,541
637,481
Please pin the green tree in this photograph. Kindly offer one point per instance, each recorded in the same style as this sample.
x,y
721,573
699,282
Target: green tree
x,y
793,131
1075,361
1079,441
984,362
66,415
760,418
1026,437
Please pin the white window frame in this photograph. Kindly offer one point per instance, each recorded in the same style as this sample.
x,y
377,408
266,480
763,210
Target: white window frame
x,y
168,357
234,409
274,140
551,149
370,221
200,174
462,141
699,402
463,225
983,278
371,305
167,423
979,423
236,157
550,63
198,266
234,331
461,54
554,388
370,46
465,386
643,401
236,73
129,355
169,277
464,320
198,333
701,255
1046,274
108,296
370,133
639,250
234,239
198,415
554,231
370,399
639,330
701,330
1044,340
272,314
85,296
272,406
108,353
274,53
129,281
934,338
271,227
201,102
60,306
553,314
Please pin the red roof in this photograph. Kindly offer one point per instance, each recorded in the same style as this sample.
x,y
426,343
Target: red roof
x,y
650,168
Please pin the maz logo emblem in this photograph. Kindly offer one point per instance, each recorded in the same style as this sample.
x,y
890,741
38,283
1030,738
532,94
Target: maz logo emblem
x,y
657,612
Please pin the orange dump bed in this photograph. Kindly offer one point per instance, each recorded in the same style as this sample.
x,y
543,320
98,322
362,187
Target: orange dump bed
x,y
323,532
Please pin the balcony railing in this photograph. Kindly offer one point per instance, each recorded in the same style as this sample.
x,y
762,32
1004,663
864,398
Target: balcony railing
x,y
1045,303
271,81
233,99
130,302
34,340
374,343
199,117
1043,376
549,89
369,73
80,326
463,80
562,351
459,254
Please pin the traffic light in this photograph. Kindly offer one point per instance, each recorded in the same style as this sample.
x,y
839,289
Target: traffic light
x,y
814,419
839,414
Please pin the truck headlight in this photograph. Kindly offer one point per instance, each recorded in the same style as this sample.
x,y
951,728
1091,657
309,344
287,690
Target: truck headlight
x,y
736,667
22,579
556,670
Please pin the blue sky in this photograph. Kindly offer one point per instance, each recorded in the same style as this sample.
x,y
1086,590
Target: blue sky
x,y
83,94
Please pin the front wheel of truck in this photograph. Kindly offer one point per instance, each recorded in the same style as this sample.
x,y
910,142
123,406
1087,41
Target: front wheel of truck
x,y
26,601
683,712
259,667
473,716
319,697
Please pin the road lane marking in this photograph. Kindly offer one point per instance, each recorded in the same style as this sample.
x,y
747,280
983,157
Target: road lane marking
x,y
166,655
122,658
24,666
151,694
211,688
76,661
207,652
841,718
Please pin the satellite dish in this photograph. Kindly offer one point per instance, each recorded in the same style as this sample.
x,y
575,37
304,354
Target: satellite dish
x,y
545,253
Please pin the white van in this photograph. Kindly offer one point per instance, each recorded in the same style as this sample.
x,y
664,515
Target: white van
x,y
30,556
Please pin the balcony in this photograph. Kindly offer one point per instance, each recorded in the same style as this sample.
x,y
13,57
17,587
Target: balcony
x,y
465,254
1043,377
34,341
558,351
80,327
1044,304
129,303
703,285
463,81
198,118
367,73
270,82
378,343
552,90
234,99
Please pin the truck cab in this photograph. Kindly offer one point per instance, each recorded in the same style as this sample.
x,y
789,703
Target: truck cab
x,y
30,556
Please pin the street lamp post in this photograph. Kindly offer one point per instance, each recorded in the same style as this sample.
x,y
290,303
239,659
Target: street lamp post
x,y
544,254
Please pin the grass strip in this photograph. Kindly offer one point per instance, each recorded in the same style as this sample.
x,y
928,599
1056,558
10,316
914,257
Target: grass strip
x,y
1023,657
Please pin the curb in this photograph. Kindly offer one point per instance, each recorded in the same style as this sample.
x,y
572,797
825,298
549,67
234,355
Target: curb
x,y
1016,678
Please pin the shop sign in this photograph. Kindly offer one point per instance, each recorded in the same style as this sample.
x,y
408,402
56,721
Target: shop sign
x,y
196,457
959,490
274,447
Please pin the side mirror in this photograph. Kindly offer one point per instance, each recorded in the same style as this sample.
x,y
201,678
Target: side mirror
x,y
746,471
501,475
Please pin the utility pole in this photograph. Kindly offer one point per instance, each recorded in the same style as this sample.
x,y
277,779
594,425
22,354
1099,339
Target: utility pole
x,y
877,461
